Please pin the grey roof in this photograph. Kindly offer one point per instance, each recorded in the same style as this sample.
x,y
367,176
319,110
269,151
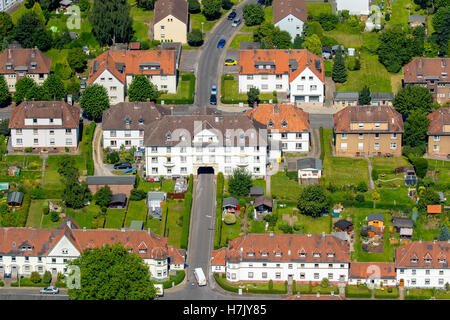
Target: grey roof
x,y
230,201
137,225
111,180
343,224
15,197
256,191
416,18
402,222
118,198
309,163
341,235
375,216
156,195
382,96
155,212
262,200
345,95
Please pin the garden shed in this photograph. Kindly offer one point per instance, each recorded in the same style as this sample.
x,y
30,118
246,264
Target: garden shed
x,y
15,199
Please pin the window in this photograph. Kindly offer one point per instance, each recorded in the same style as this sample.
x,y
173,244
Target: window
x,y
441,281
427,272
52,141
344,146
413,272
183,159
264,86
19,131
52,132
154,170
264,275
69,141
250,275
279,86
264,77
154,160
298,146
302,275
441,272
313,88
249,77
283,135
113,88
360,146
279,76
316,276
53,260
36,141
393,136
393,145
35,131
278,275
183,170
402,271
290,266
427,281
300,87
27,259
310,78
376,146
413,282
377,136
162,27
330,276
361,136
377,125
361,125
437,138
284,146
343,136
19,141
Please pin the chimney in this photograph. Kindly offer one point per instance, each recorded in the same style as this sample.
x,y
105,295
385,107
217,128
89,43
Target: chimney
x,y
271,233
148,230
420,240
69,224
323,234
434,241
289,252
332,293
84,229
9,54
122,230
318,295
309,235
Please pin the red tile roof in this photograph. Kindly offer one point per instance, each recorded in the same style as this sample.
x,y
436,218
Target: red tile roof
x,y
218,257
287,247
434,208
131,59
296,119
438,119
378,270
283,8
23,58
361,114
281,58
438,252
70,115
426,67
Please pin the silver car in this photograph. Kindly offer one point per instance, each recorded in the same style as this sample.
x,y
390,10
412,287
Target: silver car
x,y
49,290
236,22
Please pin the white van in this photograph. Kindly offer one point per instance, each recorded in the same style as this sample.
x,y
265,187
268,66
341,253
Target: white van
x,y
200,276
159,288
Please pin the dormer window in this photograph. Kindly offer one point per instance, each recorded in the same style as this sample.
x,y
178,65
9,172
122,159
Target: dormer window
x,y
33,65
9,66
316,255
141,120
414,260
264,254
250,254
34,120
361,125
419,75
168,136
428,260
302,254
284,124
442,261
278,254
330,255
270,124
142,250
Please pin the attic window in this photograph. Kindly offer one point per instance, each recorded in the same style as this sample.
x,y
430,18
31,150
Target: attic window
x,y
64,251
441,260
302,254
9,66
428,260
168,136
264,254
33,65
419,75
270,124
414,260
278,254
330,255
316,255
141,120
142,250
284,124
130,251
444,74
250,254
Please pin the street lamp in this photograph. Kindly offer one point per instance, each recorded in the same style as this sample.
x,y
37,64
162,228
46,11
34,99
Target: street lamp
x,y
202,27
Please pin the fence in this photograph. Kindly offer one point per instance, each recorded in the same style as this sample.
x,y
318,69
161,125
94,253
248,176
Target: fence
x,y
177,196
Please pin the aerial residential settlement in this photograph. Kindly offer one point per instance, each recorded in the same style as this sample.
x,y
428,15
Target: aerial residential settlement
x,y
294,148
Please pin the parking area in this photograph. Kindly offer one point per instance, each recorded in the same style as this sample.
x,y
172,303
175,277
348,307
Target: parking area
x,y
231,54
189,60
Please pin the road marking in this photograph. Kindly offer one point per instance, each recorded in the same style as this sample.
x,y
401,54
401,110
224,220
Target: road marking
x,y
208,216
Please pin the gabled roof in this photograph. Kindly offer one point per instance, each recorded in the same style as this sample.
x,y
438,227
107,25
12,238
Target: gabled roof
x,y
283,8
377,96
256,191
156,196
434,208
403,223
230,201
282,59
371,114
294,119
375,216
15,197
118,198
343,224
419,250
438,119
128,62
22,58
111,180
309,163
69,115
345,95
416,18
263,200
419,68
176,8
376,270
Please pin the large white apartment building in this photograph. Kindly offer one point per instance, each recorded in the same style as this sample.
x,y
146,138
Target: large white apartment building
x,y
281,257
126,123
50,125
288,127
19,63
24,250
298,73
182,145
115,70
423,264
290,16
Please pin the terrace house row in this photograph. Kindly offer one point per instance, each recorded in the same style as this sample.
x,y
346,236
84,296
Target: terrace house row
x,y
297,73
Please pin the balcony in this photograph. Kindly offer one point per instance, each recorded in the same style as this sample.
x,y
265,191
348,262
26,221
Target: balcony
x,y
169,164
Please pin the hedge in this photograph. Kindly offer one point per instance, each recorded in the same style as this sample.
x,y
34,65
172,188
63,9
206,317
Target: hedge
x,y
2,284
26,282
88,153
219,199
187,214
379,294
360,293
190,100
223,283
322,144
176,279
418,294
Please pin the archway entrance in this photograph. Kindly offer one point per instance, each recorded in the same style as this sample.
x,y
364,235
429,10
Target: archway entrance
x,y
205,170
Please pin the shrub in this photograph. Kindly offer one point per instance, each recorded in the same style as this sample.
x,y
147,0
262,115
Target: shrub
x,y
28,150
37,193
360,197
374,175
54,217
270,284
137,194
2,284
362,187
35,277
324,283
229,218
186,214
47,278
45,210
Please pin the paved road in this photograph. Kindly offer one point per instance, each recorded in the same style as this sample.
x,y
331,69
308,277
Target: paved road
x,y
210,59
321,120
29,294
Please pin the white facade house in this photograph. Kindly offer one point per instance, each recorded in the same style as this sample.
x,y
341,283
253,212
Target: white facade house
x,y
290,16
115,70
6,4
373,274
357,7
184,145
423,264
24,250
281,257
309,168
51,125
298,73
126,123
288,127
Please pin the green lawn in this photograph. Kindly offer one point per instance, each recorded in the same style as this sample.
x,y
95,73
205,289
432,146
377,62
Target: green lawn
x,y
198,18
384,293
357,292
84,216
137,210
238,38
257,226
114,218
173,227
35,214
230,232
168,185
268,16
141,19
230,93
418,294
343,171
316,9
315,225
400,12
185,92
282,187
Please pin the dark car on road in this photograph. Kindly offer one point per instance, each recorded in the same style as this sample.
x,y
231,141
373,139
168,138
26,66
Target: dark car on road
x,y
232,15
213,99
221,43
261,2
123,165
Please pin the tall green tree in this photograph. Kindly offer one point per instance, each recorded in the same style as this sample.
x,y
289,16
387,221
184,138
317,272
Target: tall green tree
x,y
253,96
339,73
36,93
112,273
298,41
194,6
49,5
6,26
313,200
227,4
4,127
5,96
364,96
142,89
84,5
77,59
312,27
441,25
328,21
240,182
195,38
253,14
212,9
416,127
22,87
413,98
146,4
395,49
313,44
30,32
281,39
75,194
103,196
444,234
428,197
111,21
53,88
94,100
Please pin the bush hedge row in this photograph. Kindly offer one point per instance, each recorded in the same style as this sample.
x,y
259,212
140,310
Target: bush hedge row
x,y
357,294
176,279
219,199
88,153
322,144
385,295
187,214
233,288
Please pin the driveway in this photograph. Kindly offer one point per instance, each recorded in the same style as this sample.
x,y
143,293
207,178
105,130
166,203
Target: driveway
x,y
231,54
99,168
189,60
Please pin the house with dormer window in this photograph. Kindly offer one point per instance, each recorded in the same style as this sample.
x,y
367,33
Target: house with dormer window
x,y
290,15
20,62
115,70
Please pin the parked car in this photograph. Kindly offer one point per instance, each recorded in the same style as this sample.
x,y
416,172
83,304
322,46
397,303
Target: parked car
x,y
261,2
221,43
214,89
232,15
123,165
230,62
49,290
213,99
236,22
